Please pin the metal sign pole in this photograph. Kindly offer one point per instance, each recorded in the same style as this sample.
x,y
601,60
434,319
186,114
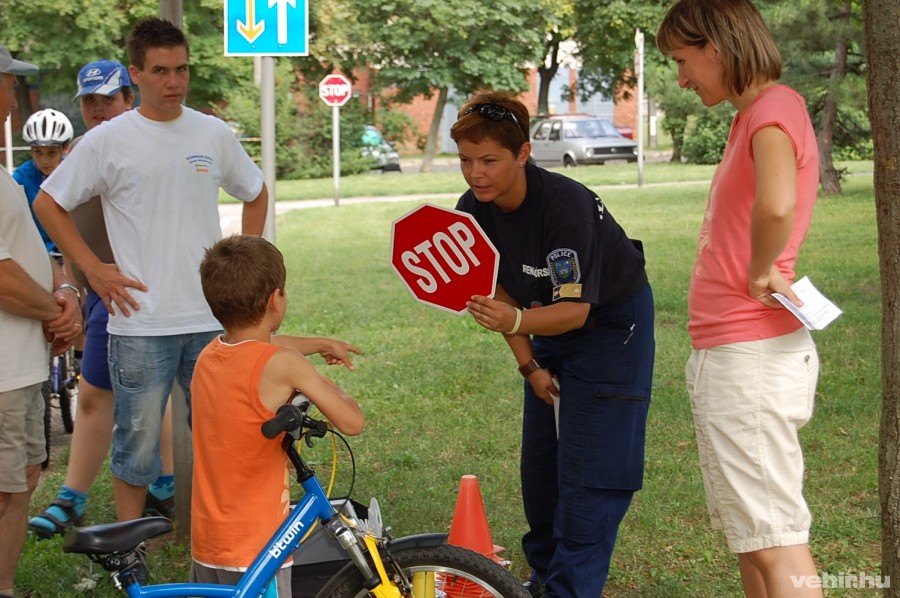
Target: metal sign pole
x,y
336,151
639,68
267,128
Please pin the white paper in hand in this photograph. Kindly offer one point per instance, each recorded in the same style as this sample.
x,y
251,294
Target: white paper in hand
x,y
817,311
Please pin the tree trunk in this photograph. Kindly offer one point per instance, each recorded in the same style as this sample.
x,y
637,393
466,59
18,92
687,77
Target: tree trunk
x,y
23,99
829,177
433,130
677,145
882,41
546,74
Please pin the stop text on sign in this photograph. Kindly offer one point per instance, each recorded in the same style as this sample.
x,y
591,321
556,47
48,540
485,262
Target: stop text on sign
x,y
455,250
334,90
443,257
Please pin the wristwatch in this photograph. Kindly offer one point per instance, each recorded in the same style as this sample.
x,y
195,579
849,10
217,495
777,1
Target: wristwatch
x,y
529,367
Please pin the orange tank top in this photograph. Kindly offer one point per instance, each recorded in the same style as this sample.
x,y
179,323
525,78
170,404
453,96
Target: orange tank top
x,y
241,488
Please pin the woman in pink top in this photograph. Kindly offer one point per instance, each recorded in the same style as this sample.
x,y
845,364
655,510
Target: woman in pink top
x,y
753,370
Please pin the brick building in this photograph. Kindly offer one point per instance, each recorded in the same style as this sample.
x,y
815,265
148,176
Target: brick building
x,y
622,112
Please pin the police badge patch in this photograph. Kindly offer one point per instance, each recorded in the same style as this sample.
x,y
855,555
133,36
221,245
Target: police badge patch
x,y
563,266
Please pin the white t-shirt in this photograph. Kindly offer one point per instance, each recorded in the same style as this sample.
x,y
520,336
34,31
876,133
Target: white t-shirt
x,y
159,185
25,358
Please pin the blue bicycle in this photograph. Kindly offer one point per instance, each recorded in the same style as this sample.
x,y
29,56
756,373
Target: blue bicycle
x,y
417,566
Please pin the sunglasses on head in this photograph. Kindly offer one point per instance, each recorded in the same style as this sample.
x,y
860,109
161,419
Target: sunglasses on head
x,y
494,112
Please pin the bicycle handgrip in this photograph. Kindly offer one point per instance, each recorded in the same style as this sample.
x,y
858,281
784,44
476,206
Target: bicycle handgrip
x,y
288,417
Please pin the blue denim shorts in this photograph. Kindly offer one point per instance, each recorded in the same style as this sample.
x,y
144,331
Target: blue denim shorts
x,y
95,358
143,370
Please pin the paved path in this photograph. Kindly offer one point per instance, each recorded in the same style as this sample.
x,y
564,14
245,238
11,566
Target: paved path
x,y
230,213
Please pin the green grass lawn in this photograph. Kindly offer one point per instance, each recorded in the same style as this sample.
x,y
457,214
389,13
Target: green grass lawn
x,y
415,183
443,397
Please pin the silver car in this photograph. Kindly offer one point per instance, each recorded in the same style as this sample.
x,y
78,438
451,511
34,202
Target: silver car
x,y
572,140
375,146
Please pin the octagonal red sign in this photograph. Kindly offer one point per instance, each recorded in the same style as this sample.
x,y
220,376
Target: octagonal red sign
x,y
335,89
443,257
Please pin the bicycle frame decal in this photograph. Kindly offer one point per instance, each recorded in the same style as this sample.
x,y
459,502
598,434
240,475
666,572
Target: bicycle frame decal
x,y
293,530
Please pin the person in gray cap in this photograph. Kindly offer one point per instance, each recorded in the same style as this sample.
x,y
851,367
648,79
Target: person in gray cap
x,y
37,305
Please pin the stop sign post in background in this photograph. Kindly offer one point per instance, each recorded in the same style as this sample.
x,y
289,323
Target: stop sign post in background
x,y
335,90
443,257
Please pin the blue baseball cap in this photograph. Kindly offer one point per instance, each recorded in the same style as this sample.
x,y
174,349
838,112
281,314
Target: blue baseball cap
x,y
103,77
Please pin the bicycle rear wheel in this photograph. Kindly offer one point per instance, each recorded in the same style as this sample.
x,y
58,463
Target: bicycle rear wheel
x,y
69,370
442,570
47,392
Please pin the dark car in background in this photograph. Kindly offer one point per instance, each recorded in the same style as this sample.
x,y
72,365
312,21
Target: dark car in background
x,y
375,146
576,139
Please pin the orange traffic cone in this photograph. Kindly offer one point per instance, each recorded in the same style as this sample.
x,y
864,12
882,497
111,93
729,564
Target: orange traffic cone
x,y
469,530
470,525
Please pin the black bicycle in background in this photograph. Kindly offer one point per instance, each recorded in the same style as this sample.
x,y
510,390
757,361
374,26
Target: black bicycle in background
x,y
60,390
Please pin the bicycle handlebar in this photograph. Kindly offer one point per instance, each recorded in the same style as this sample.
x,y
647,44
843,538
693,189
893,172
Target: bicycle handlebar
x,y
292,418
287,418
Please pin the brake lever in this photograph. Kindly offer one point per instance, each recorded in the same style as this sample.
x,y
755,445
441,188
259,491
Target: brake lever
x,y
314,429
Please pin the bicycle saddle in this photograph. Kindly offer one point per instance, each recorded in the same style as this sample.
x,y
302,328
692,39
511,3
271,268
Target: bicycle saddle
x,y
112,538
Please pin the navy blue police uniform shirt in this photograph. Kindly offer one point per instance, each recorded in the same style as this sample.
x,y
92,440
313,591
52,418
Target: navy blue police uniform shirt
x,y
562,244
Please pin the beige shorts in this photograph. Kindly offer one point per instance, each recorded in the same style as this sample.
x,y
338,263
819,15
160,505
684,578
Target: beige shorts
x,y
749,400
22,442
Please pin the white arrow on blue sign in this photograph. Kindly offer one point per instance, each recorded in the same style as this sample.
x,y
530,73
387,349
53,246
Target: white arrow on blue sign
x,y
266,28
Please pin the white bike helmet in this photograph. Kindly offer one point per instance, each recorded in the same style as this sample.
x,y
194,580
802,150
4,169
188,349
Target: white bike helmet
x,y
48,128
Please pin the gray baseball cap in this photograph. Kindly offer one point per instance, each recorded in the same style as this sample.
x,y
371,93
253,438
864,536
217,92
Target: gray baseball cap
x,y
15,67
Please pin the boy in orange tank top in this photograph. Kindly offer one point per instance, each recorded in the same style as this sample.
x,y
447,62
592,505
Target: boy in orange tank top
x,y
241,479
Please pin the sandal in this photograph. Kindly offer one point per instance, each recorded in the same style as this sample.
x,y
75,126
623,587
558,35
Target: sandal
x,y
59,526
155,506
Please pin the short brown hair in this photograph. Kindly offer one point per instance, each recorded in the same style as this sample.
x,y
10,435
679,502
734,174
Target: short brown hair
x,y
735,28
238,275
471,126
153,32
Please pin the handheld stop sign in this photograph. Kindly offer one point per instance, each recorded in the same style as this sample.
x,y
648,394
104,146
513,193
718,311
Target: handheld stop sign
x,y
443,257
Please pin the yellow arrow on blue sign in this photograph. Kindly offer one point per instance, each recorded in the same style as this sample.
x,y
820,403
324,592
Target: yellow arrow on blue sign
x,y
266,28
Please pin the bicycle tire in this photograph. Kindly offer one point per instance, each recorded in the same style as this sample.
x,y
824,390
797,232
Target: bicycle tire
x,y
66,408
455,571
47,393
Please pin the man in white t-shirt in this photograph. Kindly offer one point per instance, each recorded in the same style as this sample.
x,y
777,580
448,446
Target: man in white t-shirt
x,y
31,314
158,170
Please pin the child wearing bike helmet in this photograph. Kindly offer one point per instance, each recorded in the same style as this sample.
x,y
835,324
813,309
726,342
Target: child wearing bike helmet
x,y
49,133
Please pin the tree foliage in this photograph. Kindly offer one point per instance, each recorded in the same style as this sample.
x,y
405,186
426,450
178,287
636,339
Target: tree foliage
x,y
438,47
807,32
63,37
604,33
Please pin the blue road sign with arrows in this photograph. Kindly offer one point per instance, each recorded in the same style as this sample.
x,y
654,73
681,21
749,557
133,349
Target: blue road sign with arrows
x,y
266,28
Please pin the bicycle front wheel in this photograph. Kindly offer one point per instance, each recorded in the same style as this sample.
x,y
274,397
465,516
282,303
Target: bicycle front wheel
x,y
438,571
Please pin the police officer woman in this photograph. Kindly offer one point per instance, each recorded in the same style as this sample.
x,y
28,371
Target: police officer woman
x,y
575,307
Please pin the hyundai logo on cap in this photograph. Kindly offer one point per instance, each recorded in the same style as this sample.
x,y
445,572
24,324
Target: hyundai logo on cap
x,y
104,77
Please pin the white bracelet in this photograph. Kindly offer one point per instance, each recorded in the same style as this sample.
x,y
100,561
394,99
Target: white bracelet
x,y
72,288
518,323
